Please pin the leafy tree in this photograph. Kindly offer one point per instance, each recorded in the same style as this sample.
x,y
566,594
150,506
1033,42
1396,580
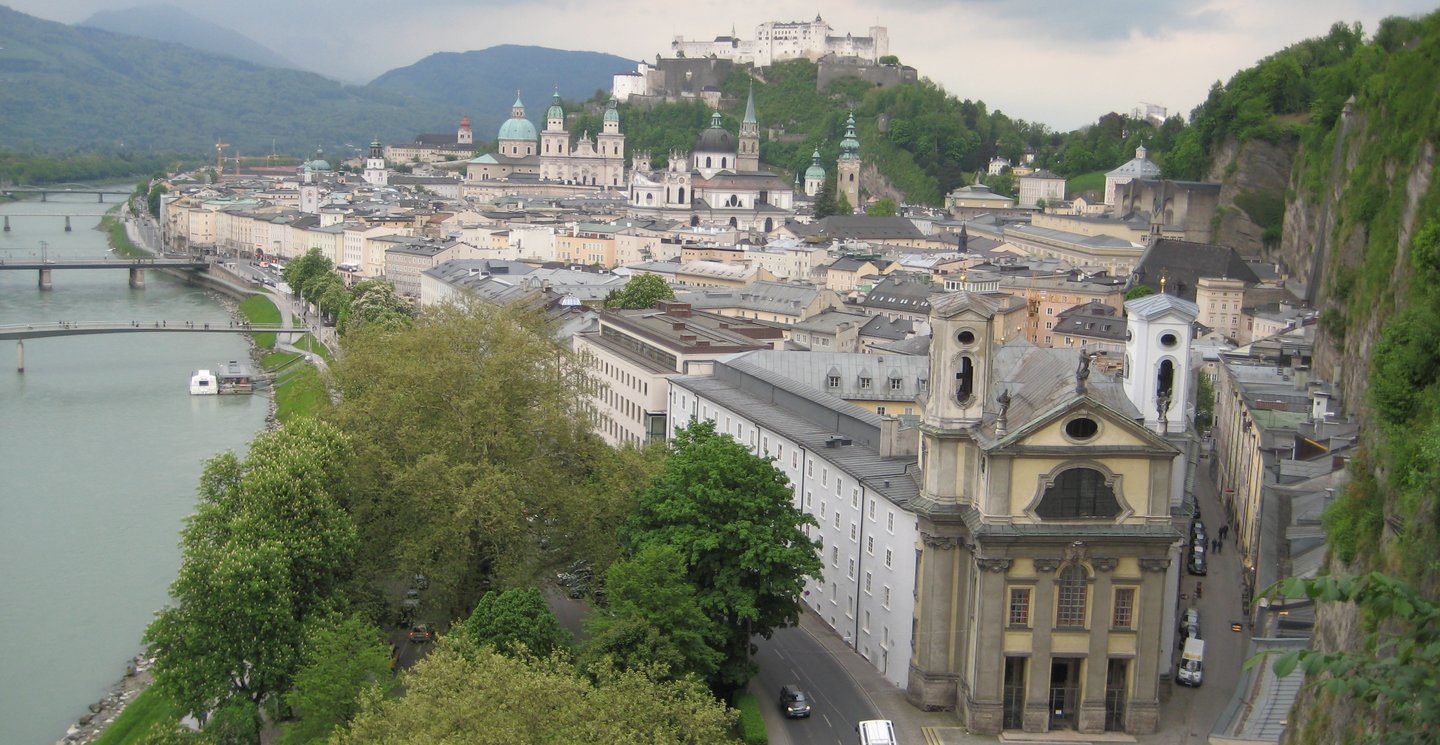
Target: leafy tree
x,y
825,204
1204,401
477,459
340,659
842,204
300,272
889,59
152,198
515,619
1391,675
374,301
461,694
654,617
884,207
267,549
730,514
1139,291
640,292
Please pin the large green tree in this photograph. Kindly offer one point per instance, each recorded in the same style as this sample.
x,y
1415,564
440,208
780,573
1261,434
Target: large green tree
x,y
268,548
374,301
654,617
641,292
341,657
477,460
514,619
730,514
460,694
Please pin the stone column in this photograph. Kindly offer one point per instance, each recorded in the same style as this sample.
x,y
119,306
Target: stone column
x,y
1142,710
45,283
137,278
1037,683
933,677
1092,696
985,707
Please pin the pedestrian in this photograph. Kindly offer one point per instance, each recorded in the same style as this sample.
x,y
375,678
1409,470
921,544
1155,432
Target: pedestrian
x,y
1215,545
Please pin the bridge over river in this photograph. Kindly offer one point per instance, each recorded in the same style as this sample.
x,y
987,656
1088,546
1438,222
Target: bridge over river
x,y
46,191
136,267
19,332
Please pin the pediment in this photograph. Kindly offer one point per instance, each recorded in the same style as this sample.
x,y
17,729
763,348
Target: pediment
x,y
1083,422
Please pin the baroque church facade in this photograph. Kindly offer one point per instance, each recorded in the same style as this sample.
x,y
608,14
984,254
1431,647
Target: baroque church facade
x,y
522,153
1047,511
719,182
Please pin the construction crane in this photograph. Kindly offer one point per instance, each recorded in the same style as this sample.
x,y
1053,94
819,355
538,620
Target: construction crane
x,y
220,158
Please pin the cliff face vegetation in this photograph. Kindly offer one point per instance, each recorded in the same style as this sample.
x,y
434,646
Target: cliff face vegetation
x,y
1361,238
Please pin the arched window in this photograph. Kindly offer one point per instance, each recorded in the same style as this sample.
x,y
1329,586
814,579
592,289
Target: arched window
x,y
682,195
723,162
707,161
1073,585
1079,493
1165,379
965,380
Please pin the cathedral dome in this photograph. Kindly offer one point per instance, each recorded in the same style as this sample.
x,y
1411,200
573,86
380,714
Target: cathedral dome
x,y
517,129
611,114
815,171
715,138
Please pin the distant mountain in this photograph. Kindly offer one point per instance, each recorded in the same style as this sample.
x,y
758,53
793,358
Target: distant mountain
x,y
74,88
483,83
172,24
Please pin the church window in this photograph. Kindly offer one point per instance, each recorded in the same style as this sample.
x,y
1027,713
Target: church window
x,y
1082,428
1165,379
1168,340
1019,606
1073,585
965,380
724,162
682,195
707,161
966,337
1079,493
1124,612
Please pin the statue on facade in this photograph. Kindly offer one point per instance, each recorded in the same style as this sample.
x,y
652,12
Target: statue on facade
x,y
1082,371
1004,400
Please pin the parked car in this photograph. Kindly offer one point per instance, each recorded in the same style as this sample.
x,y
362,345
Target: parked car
x,y
1190,624
793,702
420,582
1197,533
1197,560
420,633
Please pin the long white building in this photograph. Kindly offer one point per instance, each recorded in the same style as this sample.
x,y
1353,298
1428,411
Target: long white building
x,y
776,41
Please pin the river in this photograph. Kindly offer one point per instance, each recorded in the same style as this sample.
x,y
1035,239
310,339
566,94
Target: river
x,y
101,447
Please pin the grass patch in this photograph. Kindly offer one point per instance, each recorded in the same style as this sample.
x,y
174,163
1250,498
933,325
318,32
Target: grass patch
x,y
1093,181
114,228
751,723
310,344
260,309
301,393
148,709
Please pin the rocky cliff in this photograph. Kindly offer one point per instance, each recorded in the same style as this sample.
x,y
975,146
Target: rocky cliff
x,y
1253,178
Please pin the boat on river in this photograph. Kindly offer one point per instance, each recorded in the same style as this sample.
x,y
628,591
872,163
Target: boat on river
x,y
204,383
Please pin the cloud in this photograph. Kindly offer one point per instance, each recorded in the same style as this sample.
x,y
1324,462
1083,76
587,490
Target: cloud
x,y
1088,23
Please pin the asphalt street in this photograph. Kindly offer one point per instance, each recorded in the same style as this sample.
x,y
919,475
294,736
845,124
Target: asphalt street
x,y
837,703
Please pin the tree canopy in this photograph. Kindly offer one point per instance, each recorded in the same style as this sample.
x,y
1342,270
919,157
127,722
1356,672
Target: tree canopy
x,y
340,657
268,548
516,619
730,515
641,292
461,694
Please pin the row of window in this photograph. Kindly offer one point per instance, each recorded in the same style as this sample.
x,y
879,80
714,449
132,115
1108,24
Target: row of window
x,y
1072,601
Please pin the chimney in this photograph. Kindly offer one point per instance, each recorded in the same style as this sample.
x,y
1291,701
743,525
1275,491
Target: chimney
x,y
677,325
1302,377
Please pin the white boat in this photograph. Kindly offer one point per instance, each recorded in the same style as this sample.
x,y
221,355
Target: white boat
x,y
204,383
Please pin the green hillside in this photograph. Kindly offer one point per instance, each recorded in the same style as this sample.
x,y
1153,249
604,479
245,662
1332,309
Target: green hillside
x,y
483,83
65,89
931,141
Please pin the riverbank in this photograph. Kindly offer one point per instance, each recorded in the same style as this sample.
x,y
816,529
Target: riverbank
x,y
112,707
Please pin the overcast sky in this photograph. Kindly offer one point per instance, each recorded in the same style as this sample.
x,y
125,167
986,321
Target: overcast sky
x,y
1061,62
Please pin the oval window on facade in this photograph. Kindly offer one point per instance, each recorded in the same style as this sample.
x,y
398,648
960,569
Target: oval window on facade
x,y
965,337
1082,428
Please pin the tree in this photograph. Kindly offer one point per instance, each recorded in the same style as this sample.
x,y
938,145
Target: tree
x,y
1139,291
842,204
825,204
268,548
654,617
889,59
514,619
730,514
884,207
640,292
461,694
302,271
341,657
477,461
374,301
1390,674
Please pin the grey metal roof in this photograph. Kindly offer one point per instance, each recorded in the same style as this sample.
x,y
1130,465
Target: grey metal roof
x,y
1185,263
1259,709
813,369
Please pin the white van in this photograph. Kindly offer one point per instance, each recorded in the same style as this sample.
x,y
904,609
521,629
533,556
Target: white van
x,y
1192,663
876,732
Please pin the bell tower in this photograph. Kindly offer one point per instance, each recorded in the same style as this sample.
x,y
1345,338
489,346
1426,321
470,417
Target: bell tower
x,y
963,341
847,170
1158,369
747,156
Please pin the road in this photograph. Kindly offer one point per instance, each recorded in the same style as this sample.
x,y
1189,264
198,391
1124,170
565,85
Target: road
x,y
837,703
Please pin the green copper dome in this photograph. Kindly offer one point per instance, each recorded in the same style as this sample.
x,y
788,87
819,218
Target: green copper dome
x,y
555,112
815,170
517,127
612,114
850,146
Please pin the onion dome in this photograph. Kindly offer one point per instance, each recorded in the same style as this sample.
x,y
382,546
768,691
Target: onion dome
x,y
612,113
815,171
555,112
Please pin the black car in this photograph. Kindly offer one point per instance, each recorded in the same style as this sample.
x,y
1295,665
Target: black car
x,y
793,702
420,633
1197,560
1190,624
1197,533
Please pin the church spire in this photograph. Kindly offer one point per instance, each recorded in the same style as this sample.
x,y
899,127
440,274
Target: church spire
x,y
750,107
747,156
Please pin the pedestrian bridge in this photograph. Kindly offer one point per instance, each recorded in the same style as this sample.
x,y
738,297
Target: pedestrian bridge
x,y
136,267
21,331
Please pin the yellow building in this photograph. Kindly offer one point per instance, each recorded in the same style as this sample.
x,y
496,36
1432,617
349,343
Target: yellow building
x,y
1048,551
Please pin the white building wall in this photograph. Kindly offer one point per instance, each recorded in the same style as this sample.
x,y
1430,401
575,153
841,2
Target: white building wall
x,y
868,544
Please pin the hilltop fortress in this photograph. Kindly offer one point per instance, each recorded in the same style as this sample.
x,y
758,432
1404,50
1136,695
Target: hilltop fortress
x,y
694,69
